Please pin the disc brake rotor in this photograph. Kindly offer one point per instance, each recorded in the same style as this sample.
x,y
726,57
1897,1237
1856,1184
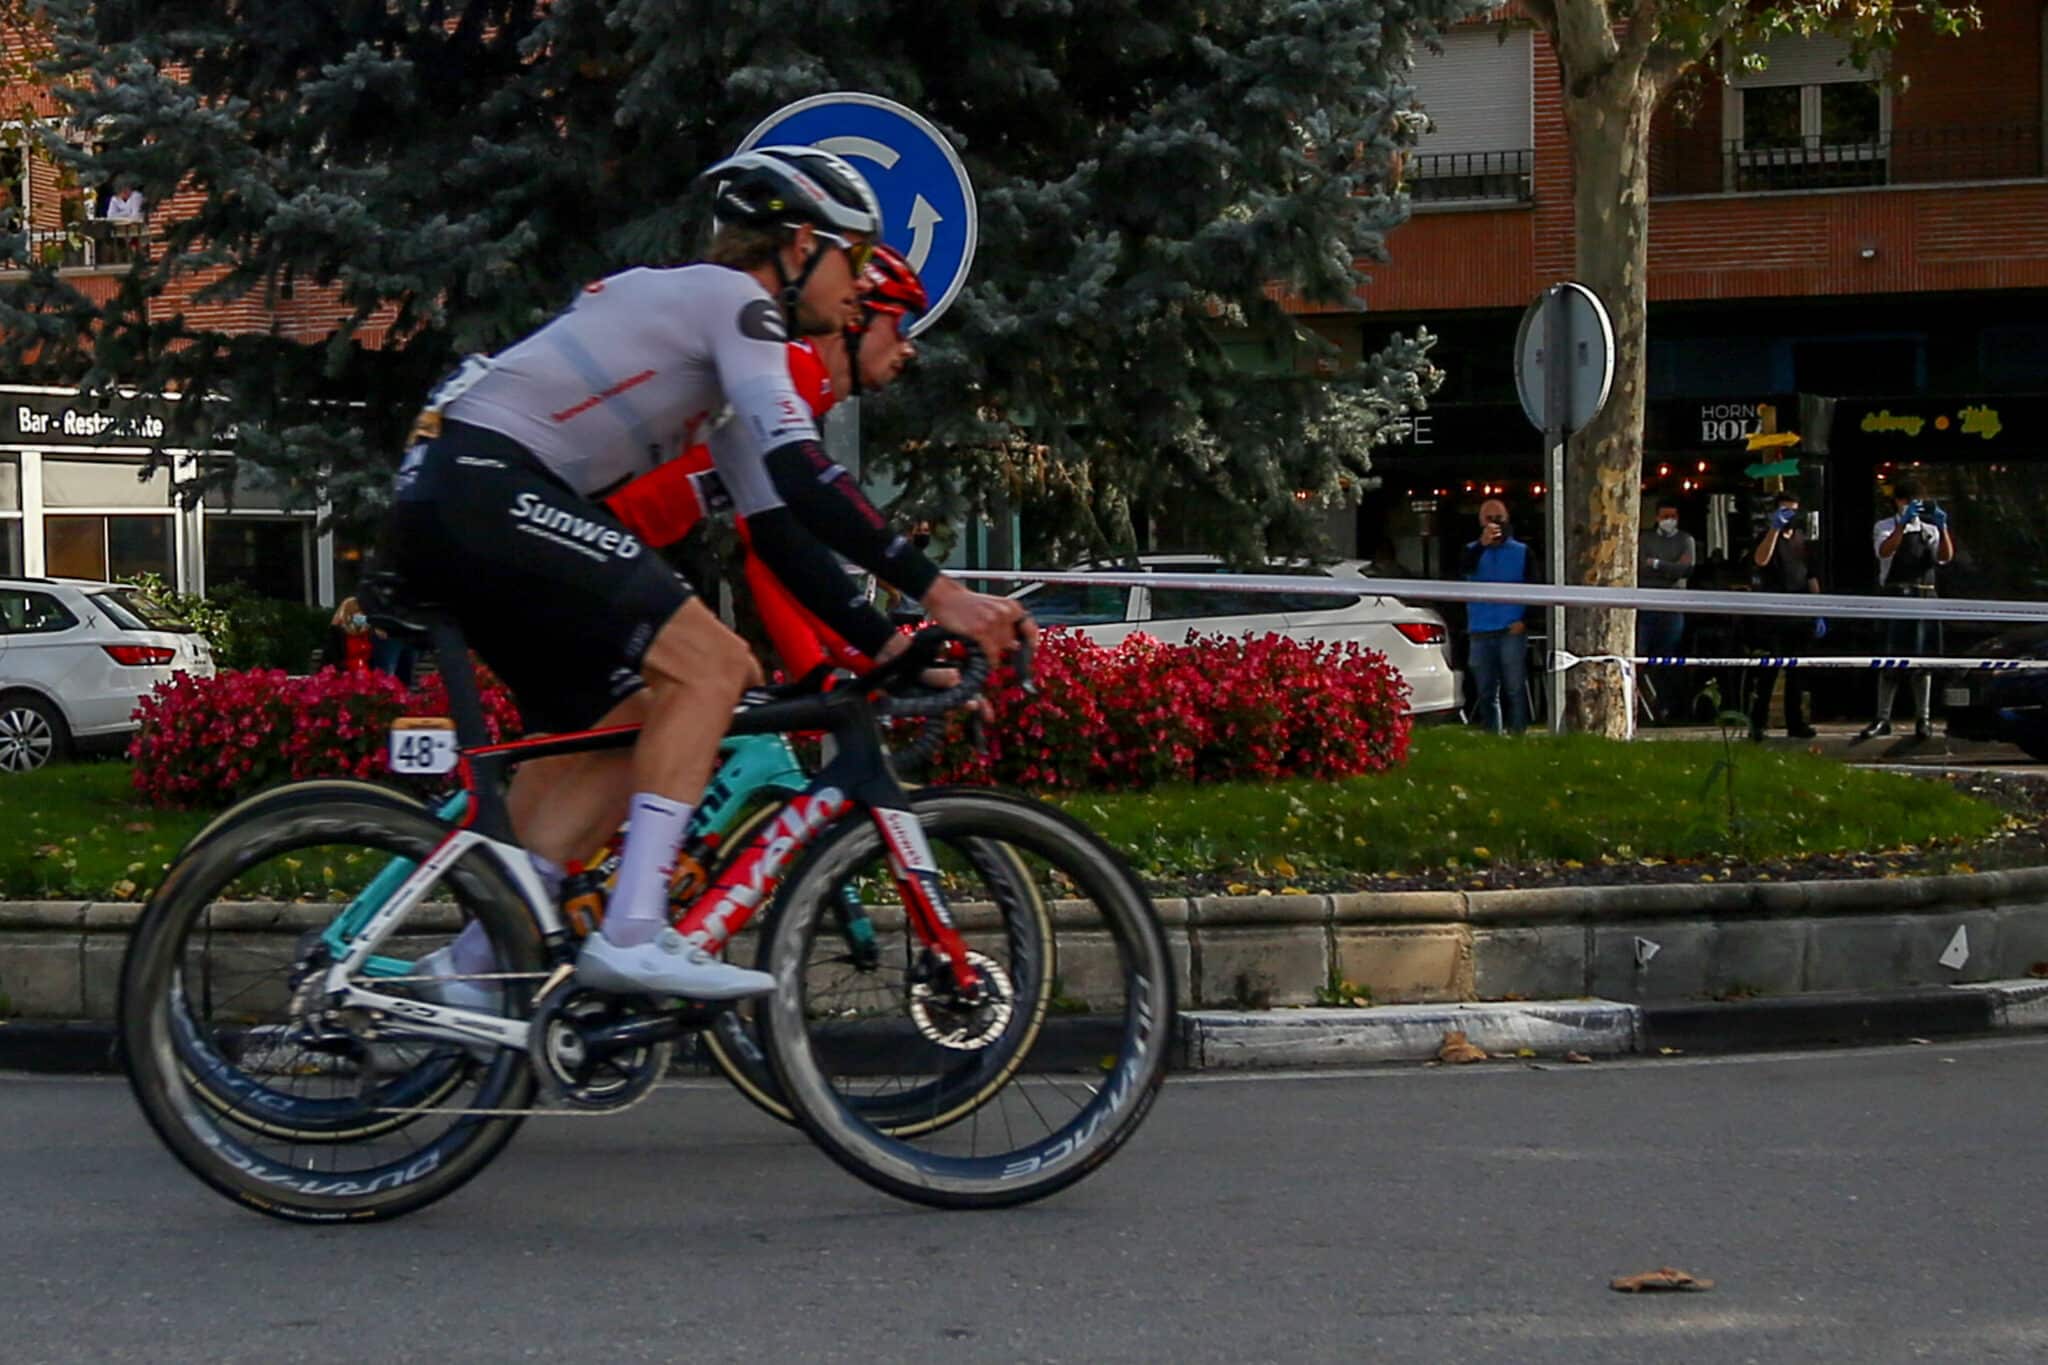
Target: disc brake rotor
x,y
960,1025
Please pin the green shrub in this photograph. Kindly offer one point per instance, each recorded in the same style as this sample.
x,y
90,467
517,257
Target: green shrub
x,y
245,628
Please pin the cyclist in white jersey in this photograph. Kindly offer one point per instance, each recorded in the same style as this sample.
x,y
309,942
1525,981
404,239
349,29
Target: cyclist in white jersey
x,y
497,520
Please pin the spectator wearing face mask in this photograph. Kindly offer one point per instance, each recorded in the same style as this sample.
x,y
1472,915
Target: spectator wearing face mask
x,y
1911,545
1497,632
1665,557
348,638
1782,562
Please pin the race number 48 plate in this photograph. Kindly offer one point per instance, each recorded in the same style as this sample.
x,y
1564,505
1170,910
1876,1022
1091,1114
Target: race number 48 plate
x,y
422,744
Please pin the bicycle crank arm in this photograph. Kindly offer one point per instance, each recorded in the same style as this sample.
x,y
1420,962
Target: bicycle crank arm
x,y
639,1033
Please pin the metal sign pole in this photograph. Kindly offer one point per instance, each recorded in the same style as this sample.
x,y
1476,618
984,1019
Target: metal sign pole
x,y
1557,341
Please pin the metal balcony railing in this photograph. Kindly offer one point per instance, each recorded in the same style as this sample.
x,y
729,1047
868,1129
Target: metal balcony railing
x,y
96,244
1469,177
1902,156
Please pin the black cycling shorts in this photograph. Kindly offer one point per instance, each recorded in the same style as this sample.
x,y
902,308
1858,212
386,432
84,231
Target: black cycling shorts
x,y
549,589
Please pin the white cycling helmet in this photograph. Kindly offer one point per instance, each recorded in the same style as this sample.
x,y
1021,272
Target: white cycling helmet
x,y
784,186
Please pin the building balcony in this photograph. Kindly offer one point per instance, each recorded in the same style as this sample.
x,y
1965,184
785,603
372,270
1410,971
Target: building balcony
x,y
1469,179
1896,157
96,246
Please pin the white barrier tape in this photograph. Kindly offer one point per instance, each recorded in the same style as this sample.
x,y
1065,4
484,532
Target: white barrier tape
x,y
1864,661
1685,601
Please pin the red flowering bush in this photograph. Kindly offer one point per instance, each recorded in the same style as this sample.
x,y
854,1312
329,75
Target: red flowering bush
x,y
1215,709
212,741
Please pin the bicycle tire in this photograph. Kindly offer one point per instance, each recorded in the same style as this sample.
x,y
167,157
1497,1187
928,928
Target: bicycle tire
x,y
734,1045
217,1151
1141,1026
247,1101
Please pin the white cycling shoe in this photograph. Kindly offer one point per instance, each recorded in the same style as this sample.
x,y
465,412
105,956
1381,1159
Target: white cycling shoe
x,y
668,965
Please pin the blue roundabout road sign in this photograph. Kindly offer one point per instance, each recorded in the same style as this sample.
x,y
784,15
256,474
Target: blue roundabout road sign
x,y
928,210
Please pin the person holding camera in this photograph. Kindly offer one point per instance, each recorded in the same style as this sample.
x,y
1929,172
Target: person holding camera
x,y
1782,563
1496,632
1911,544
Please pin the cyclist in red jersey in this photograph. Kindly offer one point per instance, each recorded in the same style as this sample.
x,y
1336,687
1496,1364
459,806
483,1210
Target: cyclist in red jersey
x,y
665,506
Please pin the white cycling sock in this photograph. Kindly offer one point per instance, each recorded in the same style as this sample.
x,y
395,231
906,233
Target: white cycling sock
x,y
471,950
639,903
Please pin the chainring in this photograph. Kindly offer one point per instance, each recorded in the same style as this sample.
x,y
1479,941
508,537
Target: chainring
x,y
570,1075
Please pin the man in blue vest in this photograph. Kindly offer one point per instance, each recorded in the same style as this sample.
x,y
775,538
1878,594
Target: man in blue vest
x,y
1497,633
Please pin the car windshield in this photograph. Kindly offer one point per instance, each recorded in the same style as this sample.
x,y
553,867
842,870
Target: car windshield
x,y
133,610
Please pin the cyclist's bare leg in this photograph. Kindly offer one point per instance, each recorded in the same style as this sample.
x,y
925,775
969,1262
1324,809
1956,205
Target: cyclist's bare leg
x,y
562,808
696,670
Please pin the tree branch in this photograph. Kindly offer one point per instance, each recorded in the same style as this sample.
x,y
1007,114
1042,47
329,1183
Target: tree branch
x,y
1645,24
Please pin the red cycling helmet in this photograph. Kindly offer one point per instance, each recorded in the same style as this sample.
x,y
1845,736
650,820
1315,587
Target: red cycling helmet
x,y
893,287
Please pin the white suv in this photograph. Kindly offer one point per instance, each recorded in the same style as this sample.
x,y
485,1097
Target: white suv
x,y
1413,639
75,657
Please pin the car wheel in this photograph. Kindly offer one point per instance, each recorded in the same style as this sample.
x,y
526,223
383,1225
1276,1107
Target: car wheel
x,y
31,734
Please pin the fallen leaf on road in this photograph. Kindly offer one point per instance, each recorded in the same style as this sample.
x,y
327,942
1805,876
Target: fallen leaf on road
x,y
1577,1057
1458,1049
1662,1279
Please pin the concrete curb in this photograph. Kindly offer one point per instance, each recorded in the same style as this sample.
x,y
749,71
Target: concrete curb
x,y
1218,1040
1223,1040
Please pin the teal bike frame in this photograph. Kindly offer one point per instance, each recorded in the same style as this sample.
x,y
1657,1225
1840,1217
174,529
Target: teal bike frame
x,y
750,766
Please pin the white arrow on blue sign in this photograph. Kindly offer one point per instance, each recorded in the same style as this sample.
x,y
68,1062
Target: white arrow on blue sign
x,y
928,209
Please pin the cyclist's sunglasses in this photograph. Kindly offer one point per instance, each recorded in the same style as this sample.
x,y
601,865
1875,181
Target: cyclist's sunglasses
x,y
858,254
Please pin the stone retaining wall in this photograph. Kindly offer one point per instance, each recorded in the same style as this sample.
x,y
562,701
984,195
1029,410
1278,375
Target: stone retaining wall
x,y
62,960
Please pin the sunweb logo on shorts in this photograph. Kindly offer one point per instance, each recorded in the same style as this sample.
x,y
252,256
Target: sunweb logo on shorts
x,y
581,534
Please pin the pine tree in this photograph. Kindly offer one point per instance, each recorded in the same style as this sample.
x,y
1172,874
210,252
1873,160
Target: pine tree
x,y
445,172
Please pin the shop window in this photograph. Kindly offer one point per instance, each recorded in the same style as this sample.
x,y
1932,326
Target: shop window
x,y
104,483
12,562
107,547
264,556
10,484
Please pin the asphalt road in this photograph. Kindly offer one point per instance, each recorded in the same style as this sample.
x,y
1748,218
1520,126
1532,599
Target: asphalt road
x,y
1883,1205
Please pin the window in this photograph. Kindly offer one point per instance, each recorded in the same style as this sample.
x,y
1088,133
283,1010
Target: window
x,y
107,547
266,556
1809,120
1079,604
133,610
32,613
1477,95
1193,604
11,559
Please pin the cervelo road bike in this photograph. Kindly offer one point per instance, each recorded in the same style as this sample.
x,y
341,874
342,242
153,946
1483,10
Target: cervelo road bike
x,y
848,1036
755,775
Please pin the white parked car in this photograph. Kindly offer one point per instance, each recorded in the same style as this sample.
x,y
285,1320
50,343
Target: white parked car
x,y
1414,639
75,657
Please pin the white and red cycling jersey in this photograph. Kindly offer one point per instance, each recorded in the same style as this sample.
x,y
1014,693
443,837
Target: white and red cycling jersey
x,y
664,506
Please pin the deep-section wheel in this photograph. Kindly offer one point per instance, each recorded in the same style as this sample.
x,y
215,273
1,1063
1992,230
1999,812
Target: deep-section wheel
x,y
253,1082
880,970
1078,1090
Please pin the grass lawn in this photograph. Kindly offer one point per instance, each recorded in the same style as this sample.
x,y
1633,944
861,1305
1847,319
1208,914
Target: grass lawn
x,y
75,831
1468,800
1465,802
